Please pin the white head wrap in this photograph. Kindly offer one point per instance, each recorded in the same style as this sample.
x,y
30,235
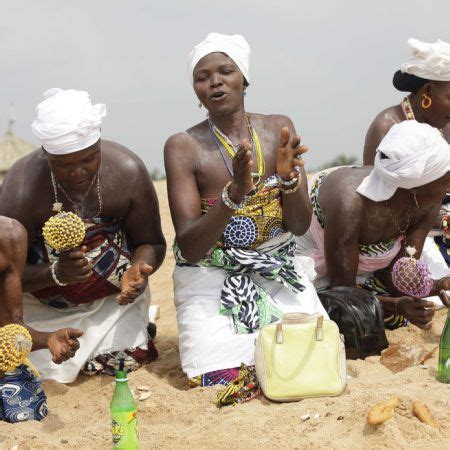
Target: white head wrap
x,y
66,121
235,46
416,153
428,61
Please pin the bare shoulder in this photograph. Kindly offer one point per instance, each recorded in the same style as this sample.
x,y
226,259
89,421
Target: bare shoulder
x,y
182,149
122,159
274,121
33,169
386,119
378,129
31,165
13,234
180,141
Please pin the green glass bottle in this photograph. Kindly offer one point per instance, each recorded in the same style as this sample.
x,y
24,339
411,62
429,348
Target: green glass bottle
x,y
444,353
124,415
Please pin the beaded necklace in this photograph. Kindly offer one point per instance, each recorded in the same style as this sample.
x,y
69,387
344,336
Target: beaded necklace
x,y
222,140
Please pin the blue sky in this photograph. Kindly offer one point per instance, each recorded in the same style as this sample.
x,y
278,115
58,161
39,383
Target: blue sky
x,y
326,64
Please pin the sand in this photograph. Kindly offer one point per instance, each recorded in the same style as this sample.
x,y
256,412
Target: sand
x,y
175,417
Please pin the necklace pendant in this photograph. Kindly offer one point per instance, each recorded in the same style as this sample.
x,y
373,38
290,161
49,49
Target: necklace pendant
x,y
57,207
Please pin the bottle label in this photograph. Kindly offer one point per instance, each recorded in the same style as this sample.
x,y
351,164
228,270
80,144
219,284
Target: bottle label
x,y
125,430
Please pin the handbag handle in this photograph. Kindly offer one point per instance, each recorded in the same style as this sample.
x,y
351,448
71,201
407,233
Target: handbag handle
x,y
299,318
279,338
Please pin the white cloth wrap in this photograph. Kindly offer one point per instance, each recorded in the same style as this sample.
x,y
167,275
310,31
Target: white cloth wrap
x,y
235,46
107,327
66,121
417,155
428,61
207,340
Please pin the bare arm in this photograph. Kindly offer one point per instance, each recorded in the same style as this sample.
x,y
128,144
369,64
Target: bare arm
x,y
297,209
195,233
143,222
341,233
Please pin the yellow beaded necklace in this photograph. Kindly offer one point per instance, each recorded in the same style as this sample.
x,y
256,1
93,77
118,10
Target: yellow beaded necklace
x,y
256,146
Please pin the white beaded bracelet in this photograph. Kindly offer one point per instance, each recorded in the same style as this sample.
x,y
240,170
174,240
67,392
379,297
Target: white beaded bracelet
x,y
55,278
227,200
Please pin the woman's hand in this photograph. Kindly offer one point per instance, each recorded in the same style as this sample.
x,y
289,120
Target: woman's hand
x,y
242,182
73,266
289,153
418,311
134,282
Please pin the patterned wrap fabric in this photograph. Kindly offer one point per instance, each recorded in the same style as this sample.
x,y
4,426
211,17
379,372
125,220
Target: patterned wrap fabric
x,y
242,297
109,251
22,396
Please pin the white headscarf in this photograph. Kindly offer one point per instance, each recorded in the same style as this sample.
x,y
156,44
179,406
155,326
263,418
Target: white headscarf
x,y
416,153
66,121
428,61
235,46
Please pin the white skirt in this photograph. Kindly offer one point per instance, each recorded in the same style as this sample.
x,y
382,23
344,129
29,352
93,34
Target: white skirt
x,y
107,327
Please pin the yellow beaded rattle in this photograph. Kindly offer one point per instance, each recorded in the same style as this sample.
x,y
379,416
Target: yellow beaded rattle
x,y
15,346
63,231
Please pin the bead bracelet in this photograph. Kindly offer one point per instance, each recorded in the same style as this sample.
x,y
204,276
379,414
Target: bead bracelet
x,y
55,278
227,200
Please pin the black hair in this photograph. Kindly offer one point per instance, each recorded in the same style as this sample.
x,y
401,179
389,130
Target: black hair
x,y
406,82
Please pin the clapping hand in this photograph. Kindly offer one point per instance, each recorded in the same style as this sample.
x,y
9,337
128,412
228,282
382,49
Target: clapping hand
x,y
289,153
242,169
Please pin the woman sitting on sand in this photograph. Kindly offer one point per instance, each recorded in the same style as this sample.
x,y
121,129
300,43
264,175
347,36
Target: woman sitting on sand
x,y
235,208
426,76
364,217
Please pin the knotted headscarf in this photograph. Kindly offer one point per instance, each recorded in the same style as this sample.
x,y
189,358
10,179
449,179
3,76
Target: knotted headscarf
x,y
235,46
67,121
414,154
428,61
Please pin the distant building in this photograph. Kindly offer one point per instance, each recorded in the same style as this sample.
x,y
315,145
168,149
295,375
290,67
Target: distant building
x,y
12,148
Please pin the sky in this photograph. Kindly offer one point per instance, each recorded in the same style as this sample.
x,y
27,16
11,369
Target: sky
x,y
328,65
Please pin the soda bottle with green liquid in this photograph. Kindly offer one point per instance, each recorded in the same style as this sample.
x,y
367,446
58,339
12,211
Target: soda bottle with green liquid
x,y
124,415
444,353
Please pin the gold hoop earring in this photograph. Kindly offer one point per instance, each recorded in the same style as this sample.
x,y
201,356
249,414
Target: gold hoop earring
x,y
426,101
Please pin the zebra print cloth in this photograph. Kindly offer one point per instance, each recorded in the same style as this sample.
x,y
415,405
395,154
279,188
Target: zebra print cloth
x,y
247,302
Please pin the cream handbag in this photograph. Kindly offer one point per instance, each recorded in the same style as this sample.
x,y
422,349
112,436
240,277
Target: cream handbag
x,y
302,356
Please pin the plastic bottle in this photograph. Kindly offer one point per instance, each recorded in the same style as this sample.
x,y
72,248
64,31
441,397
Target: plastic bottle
x,y
124,415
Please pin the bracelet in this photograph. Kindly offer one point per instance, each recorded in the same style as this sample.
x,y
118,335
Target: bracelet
x,y
55,278
289,183
227,200
289,189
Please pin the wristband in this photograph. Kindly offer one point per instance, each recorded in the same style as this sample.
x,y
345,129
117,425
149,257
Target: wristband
x,y
55,278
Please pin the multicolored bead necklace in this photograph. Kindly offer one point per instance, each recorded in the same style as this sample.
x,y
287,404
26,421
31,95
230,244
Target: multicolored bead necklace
x,y
222,140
